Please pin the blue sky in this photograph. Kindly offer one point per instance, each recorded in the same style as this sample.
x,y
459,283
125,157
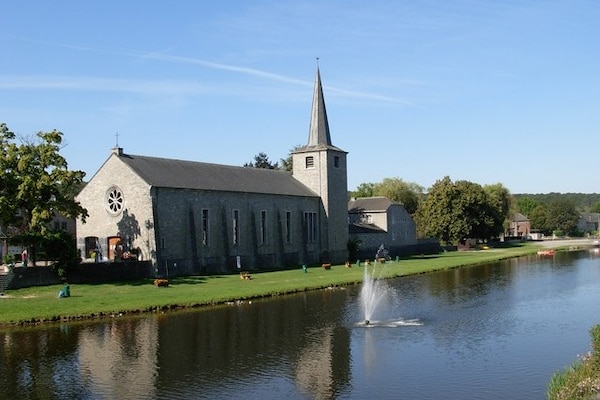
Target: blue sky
x,y
496,91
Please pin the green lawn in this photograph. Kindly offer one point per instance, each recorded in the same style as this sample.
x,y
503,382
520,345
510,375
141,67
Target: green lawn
x,y
38,304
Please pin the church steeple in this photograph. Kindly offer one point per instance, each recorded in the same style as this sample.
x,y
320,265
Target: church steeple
x,y
322,167
319,126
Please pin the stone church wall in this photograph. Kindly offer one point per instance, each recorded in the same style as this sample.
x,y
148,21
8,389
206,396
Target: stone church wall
x,y
182,249
131,222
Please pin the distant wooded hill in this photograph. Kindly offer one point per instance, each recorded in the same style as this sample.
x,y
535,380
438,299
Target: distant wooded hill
x,y
584,202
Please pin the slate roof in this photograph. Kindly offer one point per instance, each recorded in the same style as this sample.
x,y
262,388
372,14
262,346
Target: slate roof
x,y
590,217
319,125
518,217
319,136
370,204
361,227
181,174
367,204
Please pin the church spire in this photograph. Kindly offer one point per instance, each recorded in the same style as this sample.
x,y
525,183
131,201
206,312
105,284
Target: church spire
x,y
319,127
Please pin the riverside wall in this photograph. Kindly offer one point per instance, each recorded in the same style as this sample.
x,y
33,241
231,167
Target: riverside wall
x,y
22,277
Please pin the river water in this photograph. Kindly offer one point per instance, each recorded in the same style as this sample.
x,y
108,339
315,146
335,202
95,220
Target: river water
x,y
495,331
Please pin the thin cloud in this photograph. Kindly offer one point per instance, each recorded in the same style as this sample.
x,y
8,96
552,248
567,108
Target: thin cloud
x,y
100,84
264,75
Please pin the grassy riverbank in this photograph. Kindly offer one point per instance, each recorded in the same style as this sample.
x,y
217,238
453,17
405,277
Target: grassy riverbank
x,y
41,304
582,379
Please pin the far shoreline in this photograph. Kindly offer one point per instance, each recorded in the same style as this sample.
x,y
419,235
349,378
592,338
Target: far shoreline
x,y
39,306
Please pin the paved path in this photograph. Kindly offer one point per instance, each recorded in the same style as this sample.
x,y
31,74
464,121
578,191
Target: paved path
x,y
569,242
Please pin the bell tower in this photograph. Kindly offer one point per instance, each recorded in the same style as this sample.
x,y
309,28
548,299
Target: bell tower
x,y
322,167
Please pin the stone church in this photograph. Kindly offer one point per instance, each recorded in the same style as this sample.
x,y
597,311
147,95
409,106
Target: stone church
x,y
190,217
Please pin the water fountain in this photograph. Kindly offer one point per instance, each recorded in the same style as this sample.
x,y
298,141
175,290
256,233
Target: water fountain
x,y
375,293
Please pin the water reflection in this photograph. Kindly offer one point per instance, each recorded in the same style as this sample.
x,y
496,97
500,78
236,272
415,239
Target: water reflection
x,y
119,359
115,359
499,329
295,335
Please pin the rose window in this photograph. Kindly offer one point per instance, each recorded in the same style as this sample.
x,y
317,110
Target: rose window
x,y
114,200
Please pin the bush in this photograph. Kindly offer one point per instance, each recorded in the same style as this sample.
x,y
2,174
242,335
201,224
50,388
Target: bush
x,y
61,249
8,259
353,246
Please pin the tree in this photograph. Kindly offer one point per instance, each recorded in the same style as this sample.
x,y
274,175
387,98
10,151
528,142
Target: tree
x,y
365,190
502,204
584,202
538,217
395,189
455,211
287,164
595,208
480,214
526,205
35,185
563,216
407,193
261,160
434,218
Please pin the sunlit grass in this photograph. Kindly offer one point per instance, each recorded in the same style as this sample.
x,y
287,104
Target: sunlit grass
x,y
37,304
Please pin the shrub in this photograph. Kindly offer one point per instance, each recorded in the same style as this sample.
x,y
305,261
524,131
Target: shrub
x,y
8,259
60,248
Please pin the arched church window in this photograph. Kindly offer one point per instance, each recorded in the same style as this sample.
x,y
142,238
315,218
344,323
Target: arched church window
x,y
114,200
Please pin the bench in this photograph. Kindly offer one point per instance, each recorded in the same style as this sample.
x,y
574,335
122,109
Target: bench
x,y
245,276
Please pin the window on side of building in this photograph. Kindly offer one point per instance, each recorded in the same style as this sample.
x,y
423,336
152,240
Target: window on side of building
x,y
205,225
236,227
310,221
288,227
263,227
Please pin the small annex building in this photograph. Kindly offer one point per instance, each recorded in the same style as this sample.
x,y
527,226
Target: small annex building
x,y
588,223
190,217
376,221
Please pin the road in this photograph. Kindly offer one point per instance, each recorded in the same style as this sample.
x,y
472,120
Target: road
x,y
569,242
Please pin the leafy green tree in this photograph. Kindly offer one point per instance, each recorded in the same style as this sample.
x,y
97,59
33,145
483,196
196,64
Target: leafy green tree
x,y
479,213
501,201
538,217
455,211
365,190
526,205
35,185
584,202
287,164
261,160
435,216
395,189
563,216
595,208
